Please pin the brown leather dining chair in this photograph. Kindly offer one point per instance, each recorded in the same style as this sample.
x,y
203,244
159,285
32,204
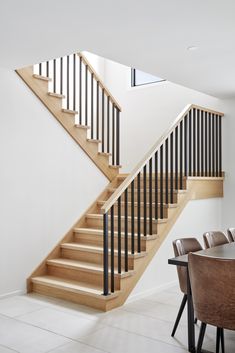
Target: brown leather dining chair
x,y
231,234
181,247
212,282
215,238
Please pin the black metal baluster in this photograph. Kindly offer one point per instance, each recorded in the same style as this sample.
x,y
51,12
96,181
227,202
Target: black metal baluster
x,y
220,146
118,137
213,145
67,81
198,142
119,237
190,143
138,216
54,75
108,124
209,143
176,159
194,142
166,171
102,108
133,217
113,135
97,109
92,106
47,68
74,82
150,198
61,75
206,145
216,147
202,143
161,182
126,230
145,200
86,95
172,168
186,145
156,185
80,91
40,69
181,155
112,249
106,254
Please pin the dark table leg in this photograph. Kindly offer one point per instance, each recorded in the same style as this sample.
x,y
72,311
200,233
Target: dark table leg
x,y
191,329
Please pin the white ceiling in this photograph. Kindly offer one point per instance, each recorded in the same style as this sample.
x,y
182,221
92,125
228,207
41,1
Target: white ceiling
x,y
150,35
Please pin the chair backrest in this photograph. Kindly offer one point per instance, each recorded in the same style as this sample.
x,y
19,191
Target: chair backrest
x,y
181,247
231,234
215,238
212,282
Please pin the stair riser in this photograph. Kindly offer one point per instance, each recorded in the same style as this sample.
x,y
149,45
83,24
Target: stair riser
x,y
98,224
92,257
94,278
165,210
153,197
153,183
90,239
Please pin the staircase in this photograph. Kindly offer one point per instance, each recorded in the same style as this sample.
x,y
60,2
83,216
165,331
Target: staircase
x,y
104,254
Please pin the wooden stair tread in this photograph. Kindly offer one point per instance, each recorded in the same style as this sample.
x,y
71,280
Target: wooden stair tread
x,y
112,189
169,205
115,166
82,265
56,95
41,77
105,154
69,111
79,126
94,140
100,216
124,176
72,286
100,233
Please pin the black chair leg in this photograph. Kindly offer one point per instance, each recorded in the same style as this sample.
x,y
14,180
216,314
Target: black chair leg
x,y
217,339
182,306
222,339
195,321
201,337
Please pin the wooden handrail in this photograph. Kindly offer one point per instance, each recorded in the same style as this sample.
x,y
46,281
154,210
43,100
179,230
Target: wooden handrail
x,y
119,191
96,76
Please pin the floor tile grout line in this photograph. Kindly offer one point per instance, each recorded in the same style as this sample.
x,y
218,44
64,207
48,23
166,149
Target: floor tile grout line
x,y
4,346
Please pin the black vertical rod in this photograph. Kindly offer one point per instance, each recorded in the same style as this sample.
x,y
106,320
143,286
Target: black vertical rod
x,y
166,171
108,124
92,106
213,145
47,68
126,230
40,69
171,168
156,185
161,181
194,142
67,81
220,146
61,75
216,147
186,145
112,248
138,216
150,198
198,142
80,90
105,255
97,109
113,135
119,237
133,217
190,143
202,143
181,155
206,145
117,136
102,109
54,75
86,95
74,82
145,199
209,142
176,159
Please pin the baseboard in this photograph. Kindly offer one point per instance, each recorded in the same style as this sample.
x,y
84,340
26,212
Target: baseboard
x,y
151,291
12,294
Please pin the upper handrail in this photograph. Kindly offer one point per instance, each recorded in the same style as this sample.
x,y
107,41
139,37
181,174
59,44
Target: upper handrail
x,y
96,76
119,191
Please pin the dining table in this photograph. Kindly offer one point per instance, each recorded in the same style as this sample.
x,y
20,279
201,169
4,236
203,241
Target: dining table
x,y
225,251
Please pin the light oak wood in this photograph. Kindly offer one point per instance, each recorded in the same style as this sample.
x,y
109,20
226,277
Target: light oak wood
x,y
43,78
56,95
69,111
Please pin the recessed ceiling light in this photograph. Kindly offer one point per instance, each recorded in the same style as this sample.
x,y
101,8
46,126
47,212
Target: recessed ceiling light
x,y
191,48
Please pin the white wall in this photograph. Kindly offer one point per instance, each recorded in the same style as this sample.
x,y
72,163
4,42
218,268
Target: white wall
x,y
46,182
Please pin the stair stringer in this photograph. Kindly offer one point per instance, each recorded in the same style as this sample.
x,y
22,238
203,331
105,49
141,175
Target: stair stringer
x,y
79,134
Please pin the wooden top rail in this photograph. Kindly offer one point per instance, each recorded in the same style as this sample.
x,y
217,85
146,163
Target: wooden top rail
x,y
96,76
119,191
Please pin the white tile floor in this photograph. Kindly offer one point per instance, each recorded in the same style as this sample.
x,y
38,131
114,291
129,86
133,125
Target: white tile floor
x,y
35,324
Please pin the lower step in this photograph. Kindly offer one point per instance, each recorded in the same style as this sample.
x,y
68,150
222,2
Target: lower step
x,y
72,291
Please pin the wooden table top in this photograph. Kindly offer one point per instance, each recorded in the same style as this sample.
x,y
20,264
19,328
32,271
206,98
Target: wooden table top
x,y
226,251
